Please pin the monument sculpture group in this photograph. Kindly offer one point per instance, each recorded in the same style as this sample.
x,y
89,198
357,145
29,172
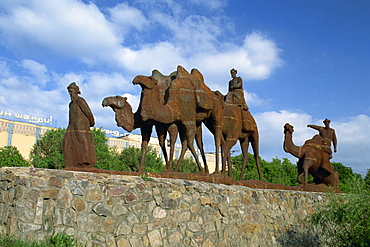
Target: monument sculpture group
x,y
178,104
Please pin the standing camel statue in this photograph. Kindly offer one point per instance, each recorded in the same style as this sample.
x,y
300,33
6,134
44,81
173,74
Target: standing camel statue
x,y
129,121
311,159
234,130
188,102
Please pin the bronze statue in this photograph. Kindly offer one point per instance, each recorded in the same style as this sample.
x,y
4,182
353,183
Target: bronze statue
x,y
78,143
188,102
326,133
129,121
236,92
313,159
233,131
235,96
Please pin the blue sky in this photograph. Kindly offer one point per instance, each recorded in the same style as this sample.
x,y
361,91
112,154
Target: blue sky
x,y
301,61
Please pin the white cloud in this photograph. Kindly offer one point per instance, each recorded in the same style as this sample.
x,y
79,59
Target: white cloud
x,y
252,100
256,59
194,33
125,17
39,71
163,56
79,31
65,27
353,142
214,4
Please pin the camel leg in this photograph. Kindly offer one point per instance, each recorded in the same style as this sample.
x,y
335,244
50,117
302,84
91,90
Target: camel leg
x,y
255,147
184,145
173,131
218,140
244,143
199,141
190,130
223,158
306,167
229,165
145,137
225,155
300,172
162,133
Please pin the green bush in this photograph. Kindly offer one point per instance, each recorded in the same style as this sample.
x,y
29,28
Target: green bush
x,y
129,160
11,157
344,219
188,165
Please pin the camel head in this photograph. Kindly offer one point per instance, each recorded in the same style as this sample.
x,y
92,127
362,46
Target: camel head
x,y
115,102
288,128
123,112
146,82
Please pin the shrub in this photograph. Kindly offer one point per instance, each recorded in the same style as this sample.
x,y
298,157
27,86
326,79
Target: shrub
x,y
11,157
344,219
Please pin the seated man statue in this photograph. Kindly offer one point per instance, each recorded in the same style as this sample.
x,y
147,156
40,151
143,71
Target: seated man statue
x,y
236,96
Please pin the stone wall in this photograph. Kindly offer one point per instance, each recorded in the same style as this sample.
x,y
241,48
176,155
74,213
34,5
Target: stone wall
x,y
118,210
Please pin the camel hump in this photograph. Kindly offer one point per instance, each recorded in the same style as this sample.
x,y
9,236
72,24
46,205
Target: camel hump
x,y
316,141
197,75
157,75
181,72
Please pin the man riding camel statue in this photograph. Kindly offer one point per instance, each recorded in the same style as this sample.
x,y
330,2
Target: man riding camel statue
x,y
236,96
328,135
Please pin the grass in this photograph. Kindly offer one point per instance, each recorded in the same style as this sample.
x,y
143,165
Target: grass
x,y
57,240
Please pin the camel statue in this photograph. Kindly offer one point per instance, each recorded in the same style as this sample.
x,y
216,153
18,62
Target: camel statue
x,y
129,121
232,131
312,159
188,102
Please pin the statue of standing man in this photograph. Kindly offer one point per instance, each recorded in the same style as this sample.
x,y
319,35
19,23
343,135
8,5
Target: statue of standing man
x,y
78,143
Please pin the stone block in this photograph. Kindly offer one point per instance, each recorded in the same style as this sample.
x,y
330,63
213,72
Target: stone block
x,y
250,228
93,194
118,210
155,238
117,191
101,210
78,204
123,229
50,193
159,213
55,182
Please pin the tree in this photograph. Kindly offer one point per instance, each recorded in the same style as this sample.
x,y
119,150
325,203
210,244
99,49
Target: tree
x,y
11,157
367,177
106,157
346,176
47,152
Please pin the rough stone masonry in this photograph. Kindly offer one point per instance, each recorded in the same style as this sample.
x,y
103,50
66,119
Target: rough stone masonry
x,y
117,210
